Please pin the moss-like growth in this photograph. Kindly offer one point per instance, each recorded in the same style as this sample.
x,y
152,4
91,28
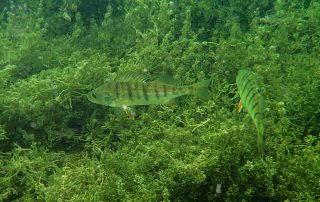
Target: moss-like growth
x,y
55,145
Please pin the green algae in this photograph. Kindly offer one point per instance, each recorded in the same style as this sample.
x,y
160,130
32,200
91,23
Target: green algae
x,y
57,146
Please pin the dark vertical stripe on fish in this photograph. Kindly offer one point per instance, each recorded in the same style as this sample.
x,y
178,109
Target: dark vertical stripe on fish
x,y
191,89
136,88
250,99
174,90
145,93
256,114
244,77
117,89
164,87
254,106
108,85
248,92
245,85
129,90
156,90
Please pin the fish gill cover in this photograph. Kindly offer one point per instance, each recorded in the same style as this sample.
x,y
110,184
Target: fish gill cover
x,y
58,146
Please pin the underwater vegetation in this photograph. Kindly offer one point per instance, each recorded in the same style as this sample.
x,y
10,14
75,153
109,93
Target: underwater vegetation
x,y
56,145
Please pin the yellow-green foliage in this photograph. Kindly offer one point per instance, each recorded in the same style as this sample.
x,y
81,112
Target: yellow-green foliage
x,y
55,145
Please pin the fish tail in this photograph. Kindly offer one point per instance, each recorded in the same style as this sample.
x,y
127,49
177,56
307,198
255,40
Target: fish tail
x,y
260,141
201,89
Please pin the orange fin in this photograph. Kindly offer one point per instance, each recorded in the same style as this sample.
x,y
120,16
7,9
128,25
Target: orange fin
x,y
240,106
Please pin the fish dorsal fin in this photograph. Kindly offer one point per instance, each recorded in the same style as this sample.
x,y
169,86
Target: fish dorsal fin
x,y
166,79
132,76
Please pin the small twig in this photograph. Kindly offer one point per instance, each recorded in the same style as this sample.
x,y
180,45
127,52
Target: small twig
x,y
200,125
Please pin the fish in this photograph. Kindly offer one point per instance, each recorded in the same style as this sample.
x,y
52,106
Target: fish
x,y
134,89
252,100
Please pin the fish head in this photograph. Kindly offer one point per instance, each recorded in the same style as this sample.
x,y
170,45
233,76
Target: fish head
x,y
99,98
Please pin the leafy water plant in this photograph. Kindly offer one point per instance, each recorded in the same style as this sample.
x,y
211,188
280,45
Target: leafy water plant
x,y
57,146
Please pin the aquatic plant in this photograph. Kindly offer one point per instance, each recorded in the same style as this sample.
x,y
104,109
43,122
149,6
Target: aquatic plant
x,y
55,145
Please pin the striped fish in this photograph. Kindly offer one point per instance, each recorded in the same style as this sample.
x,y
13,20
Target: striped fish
x,y
252,100
132,89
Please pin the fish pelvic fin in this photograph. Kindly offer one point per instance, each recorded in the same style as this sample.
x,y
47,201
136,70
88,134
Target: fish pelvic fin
x,y
130,112
201,89
240,106
125,112
172,102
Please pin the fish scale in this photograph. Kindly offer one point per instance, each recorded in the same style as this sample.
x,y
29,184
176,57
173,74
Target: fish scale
x,y
130,93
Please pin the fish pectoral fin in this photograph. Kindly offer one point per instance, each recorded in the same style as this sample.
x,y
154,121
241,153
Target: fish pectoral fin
x,y
130,112
240,106
172,102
